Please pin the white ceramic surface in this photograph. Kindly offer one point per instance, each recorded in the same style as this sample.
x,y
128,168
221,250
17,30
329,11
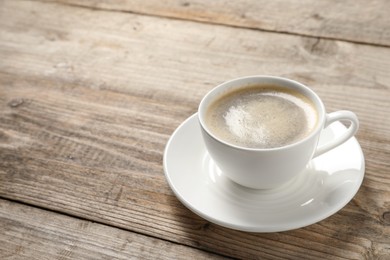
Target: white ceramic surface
x,y
329,182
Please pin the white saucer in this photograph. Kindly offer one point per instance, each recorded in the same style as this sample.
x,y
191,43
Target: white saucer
x,y
327,185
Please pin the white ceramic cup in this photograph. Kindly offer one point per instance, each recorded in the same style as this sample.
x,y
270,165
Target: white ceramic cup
x,y
270,168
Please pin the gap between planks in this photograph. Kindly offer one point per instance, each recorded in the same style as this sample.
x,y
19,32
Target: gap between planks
x,y
20,202
105,9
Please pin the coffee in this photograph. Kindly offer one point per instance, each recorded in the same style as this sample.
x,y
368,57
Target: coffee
x,y
261,116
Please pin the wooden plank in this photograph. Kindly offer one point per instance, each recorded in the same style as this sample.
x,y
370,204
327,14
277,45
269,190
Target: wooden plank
x,y
89,99
31,233
354,20
47,161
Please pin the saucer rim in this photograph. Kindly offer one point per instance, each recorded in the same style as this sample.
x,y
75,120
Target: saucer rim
x,y
257,228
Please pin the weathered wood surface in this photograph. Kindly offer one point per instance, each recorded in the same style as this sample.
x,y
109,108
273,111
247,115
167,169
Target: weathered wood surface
x,y
31,233
352,20
89,99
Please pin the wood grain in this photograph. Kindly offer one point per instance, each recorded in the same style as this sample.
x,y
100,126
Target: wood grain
x,y
89,99
31,233
352,20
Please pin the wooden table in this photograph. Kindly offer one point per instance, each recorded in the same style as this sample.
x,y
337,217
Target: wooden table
x,y
90,92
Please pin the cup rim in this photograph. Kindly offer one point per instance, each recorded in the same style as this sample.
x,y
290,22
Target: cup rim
x,y
318,103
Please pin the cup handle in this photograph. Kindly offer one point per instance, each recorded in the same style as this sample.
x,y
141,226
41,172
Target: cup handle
x,y
351,130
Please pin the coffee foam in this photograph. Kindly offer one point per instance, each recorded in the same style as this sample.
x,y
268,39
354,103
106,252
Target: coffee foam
x,y
260,117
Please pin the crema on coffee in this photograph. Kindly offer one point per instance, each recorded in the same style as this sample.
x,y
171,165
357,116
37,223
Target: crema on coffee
x,y
261,117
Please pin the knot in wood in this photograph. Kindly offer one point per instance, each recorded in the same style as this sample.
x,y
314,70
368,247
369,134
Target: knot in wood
x,y
15,102
386,217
